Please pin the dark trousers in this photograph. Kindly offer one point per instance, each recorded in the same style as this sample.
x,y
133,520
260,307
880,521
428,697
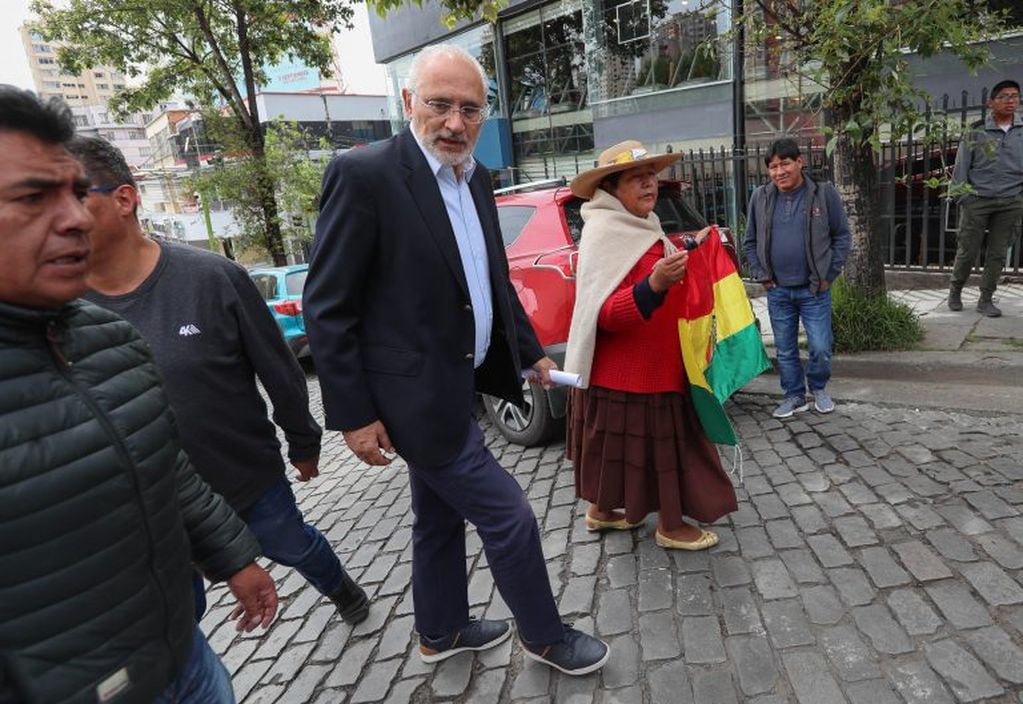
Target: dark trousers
x,y
476,488
997,216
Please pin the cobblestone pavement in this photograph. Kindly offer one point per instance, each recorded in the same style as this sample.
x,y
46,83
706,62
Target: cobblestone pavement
x,y
877,556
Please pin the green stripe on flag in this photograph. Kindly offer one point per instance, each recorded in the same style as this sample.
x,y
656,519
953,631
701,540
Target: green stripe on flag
x,y
737,359
712,416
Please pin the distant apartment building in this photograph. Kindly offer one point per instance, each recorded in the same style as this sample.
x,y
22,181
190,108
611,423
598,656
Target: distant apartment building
x,y
92,86
127,134
178,145
161,130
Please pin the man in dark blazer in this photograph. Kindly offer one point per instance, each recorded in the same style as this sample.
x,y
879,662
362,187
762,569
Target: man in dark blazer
x,y
410,313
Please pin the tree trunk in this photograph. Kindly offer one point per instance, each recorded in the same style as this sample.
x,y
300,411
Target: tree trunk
x,y
271,215
266,188
856,181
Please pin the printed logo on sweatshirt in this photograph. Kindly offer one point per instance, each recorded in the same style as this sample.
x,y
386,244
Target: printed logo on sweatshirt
x,y
189,329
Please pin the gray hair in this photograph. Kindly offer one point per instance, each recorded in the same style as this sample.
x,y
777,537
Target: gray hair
x,y
451,51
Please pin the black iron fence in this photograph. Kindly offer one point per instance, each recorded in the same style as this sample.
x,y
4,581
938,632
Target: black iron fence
x,y
919,222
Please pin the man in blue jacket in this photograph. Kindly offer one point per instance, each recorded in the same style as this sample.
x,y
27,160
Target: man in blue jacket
x,y
797,241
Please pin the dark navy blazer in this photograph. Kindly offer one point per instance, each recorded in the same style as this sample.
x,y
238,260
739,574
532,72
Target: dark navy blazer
x,y
387,308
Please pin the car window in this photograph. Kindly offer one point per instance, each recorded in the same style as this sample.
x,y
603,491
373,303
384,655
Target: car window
x,y
676,215
574,218
513,220
267,285
295,282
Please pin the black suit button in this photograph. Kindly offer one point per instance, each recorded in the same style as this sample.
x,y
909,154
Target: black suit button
x,y
469,355
468,306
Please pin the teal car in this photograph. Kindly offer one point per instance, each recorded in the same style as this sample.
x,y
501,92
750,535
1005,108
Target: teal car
x,y
281,288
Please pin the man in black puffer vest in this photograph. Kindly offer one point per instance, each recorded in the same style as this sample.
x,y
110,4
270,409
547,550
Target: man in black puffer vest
x,y
101,514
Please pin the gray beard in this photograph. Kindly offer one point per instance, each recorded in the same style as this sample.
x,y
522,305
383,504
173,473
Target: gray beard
x,y
446,158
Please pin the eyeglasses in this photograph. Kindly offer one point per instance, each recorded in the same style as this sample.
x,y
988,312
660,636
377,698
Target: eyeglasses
x,y
103,189
472,114
1007,97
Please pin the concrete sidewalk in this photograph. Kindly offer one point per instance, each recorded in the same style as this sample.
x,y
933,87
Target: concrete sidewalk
x,y
965,361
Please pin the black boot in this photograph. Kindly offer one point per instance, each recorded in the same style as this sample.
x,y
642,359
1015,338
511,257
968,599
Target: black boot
x,y
986,307
955,297
351,601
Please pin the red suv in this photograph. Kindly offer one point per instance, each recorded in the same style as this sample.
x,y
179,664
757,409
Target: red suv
x,y
541,225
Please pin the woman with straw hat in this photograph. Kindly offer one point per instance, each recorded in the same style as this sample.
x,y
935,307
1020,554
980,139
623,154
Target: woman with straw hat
x,y
633,435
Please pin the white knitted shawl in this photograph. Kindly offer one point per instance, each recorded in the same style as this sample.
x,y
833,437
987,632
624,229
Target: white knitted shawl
x,y
613,240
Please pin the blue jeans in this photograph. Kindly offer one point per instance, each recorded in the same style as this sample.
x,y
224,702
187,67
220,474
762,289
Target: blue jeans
x,y
204,679
787,305
288,540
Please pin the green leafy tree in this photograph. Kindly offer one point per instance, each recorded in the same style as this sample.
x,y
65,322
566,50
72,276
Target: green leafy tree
x,y
857,52
455,10
214,50
294,165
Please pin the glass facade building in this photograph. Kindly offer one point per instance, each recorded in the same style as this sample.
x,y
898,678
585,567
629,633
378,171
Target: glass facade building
x,y
569,78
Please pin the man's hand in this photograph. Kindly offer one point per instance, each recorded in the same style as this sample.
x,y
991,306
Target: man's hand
x,y
668,271
257,597
543,369
767,283
825,285
307,469
370,443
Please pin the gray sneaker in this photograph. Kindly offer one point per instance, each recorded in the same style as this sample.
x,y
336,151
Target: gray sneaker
x,y
822,401
791,404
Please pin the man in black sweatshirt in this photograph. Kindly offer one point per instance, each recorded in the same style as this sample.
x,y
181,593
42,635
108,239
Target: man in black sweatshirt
x,y
212,335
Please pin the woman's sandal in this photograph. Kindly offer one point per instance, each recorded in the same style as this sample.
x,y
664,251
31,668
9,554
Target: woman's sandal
x,y
706,540
595,524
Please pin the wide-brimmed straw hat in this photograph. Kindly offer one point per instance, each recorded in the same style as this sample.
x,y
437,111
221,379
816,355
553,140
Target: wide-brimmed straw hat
x,y
621,157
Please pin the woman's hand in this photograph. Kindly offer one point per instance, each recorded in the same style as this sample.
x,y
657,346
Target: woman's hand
x,y
668,271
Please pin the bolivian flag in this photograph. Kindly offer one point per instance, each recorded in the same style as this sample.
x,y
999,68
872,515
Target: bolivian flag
x,y
721,344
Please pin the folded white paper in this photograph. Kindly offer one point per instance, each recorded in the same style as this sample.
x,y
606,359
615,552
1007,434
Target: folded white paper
x,y
557,377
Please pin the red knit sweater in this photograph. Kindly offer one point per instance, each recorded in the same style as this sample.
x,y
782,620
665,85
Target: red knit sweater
x,y
633,354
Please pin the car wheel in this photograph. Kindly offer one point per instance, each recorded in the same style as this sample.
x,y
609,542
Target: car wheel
x,y
530,425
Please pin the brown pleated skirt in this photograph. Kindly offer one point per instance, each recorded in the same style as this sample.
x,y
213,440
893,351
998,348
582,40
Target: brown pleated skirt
x,y
645,453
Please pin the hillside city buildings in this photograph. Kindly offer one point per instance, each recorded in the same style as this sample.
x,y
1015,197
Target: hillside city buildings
x,y
167,144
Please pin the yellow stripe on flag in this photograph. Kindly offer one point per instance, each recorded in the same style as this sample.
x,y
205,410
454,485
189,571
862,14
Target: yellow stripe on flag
x,y
731,307
695,338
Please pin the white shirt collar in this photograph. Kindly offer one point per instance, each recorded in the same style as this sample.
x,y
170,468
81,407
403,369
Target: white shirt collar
x,y
468,166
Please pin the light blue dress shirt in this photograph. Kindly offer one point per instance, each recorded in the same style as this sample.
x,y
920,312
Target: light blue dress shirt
x,y
472,247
